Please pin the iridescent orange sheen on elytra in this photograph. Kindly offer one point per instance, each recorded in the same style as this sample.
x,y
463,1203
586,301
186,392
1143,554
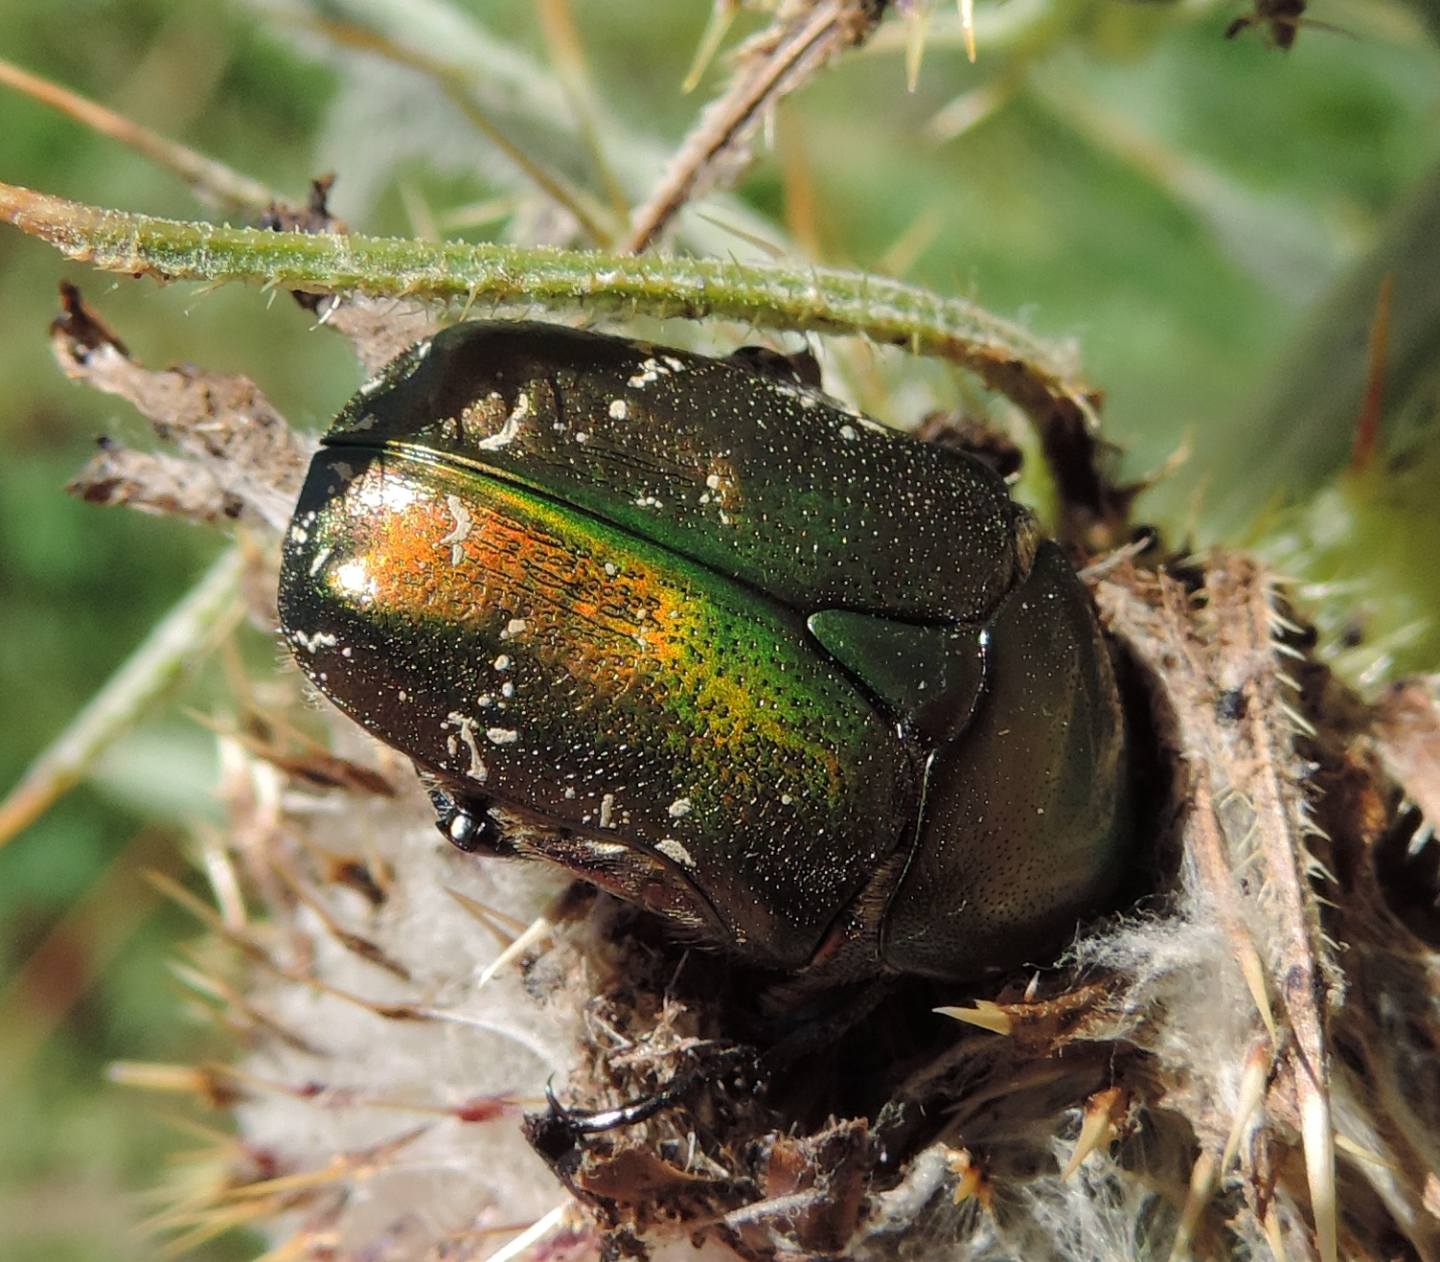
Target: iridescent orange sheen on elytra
x,y
594,605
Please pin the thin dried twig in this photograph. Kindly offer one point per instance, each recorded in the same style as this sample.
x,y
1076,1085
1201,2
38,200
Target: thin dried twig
x,y
212,182
453,85
806,36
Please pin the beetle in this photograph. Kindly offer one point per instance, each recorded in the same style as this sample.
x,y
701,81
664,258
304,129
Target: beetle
x,y
813,690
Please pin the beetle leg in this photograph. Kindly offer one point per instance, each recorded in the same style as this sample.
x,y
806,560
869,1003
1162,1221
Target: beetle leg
x,y
561,1128
593,1121
465,825
957,432
801,368
631,874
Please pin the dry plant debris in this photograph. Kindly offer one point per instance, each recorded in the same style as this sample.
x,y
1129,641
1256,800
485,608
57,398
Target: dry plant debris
x,y
1238,1066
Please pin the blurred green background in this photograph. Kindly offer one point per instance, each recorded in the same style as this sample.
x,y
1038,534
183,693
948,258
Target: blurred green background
x,y
1207,220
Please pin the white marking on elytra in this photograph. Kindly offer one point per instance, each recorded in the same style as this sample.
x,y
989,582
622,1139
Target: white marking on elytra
x,y
397,496
463,523
603,850
619,409
849,433
516,626
477,769
502,662
501,735
607,810
506,433
652,370
320,558
316,641
679,808
675,852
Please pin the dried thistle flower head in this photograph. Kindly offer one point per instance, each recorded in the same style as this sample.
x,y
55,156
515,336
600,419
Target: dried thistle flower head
x,y
1209,1073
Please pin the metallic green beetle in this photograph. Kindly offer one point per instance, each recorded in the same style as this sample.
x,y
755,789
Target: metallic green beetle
x,y
811,689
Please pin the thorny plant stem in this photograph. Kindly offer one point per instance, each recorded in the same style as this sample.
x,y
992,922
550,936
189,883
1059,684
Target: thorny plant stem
x,y
816,299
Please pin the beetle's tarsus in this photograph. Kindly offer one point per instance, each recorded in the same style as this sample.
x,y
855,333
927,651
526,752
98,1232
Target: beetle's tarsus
x,y
594,1121
734,1067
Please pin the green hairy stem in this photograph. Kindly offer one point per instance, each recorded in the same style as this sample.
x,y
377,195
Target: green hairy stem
x,y
776,296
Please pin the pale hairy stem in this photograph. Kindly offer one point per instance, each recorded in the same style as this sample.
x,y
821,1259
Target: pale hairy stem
x,y
1248,836
148,672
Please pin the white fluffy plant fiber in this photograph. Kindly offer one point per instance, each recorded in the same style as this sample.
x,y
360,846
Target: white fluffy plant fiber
x,y
1148,1099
